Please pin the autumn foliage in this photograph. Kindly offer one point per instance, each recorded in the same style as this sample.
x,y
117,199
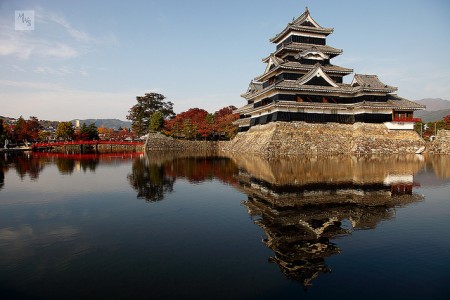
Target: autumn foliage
x,y
447,122
197,123
22,131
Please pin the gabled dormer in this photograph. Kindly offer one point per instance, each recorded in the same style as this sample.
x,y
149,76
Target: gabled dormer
x,y
317,76
254,87
305,19
312,56
272,62
371,82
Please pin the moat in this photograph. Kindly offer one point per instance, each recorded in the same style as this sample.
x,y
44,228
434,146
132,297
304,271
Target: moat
x,y
171,226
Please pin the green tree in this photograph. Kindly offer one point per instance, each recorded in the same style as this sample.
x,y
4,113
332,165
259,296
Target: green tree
x,y
189,130
19,130
88,133
44,135
65,131
140,114
2,133
156,121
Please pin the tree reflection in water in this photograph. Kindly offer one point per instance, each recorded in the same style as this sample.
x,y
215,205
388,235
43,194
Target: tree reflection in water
x,y
150,180
3,170
302,204
154,174
31,164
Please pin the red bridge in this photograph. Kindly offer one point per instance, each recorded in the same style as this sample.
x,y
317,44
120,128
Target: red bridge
x,y
56,144
90,146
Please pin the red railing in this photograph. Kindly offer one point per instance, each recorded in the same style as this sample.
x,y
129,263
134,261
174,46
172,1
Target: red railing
x,y
79,156
406,120
55,144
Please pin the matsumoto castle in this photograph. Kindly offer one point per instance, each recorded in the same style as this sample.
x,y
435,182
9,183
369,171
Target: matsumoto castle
x,y
300,84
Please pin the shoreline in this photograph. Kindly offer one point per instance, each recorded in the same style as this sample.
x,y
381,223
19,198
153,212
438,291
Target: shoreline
x,y
300,138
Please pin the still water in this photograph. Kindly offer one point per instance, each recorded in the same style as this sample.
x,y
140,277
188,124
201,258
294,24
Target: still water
x,y
167,226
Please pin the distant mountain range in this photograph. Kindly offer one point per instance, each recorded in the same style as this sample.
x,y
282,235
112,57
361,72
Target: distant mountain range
x,y
436,110
108,123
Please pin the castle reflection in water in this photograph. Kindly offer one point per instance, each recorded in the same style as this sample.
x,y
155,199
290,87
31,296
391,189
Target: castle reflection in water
x,y
303,204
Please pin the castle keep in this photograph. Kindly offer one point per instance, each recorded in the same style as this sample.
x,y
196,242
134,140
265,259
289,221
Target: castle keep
x,y
301,84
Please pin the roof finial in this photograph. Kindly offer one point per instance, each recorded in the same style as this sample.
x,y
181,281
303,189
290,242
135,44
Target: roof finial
x,y
306,10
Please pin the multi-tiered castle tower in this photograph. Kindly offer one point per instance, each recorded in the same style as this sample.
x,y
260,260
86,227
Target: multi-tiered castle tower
x,y
301,84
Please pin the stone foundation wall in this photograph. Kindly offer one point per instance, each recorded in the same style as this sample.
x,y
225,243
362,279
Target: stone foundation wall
x,y
160,142
441,145
100,148
300,138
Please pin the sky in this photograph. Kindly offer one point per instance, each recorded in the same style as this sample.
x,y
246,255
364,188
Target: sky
x,y
90,59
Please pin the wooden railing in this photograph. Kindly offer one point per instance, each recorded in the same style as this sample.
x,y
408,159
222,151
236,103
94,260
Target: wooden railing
x,y
406,120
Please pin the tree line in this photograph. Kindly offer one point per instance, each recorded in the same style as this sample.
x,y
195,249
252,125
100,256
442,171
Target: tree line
x,y
155,114
32,130
427,130
151,113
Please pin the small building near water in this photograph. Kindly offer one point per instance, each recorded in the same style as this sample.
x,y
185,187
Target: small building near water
x,y
301,84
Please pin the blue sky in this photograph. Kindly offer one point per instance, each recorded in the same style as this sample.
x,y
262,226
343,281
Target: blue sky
x,y
90,59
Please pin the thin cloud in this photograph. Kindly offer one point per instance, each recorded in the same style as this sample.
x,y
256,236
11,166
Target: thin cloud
x,y
76,34
23,45
61,71
32,85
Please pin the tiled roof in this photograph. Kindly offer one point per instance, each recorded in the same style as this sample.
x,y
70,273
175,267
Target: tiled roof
x,y
369,81
254,86
244,108
328,68
317,71
395,102
344,88
297,66
294,85
297,47
404,103
297,25
349,89
291,27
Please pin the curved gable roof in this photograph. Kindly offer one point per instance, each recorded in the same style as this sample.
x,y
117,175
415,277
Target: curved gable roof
x,y
316,72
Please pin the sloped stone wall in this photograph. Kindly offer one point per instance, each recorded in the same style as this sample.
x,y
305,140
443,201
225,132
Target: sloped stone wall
x,y
160,142
300,138
377,139
441,145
